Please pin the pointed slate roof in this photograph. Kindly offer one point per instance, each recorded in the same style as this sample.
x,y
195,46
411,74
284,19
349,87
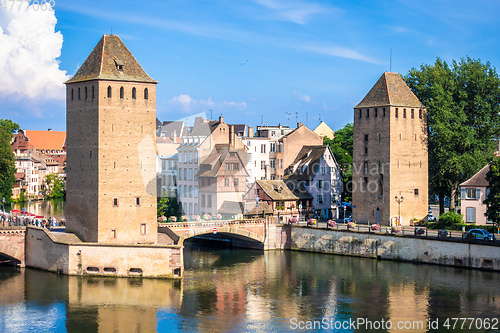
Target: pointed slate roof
x,y
390,90
104,61
479,179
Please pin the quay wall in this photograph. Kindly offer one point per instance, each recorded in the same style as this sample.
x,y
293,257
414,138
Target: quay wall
x,y
46,250
389,247
12,243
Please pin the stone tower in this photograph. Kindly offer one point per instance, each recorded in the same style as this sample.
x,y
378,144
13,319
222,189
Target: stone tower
x,y
111,170
390,157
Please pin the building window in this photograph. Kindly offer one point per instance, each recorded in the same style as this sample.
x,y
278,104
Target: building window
x,y
209,201
109,91
113,233
202,200
471,193
185,157
191,157
404,113
190,191
415,191
272,147
93,92
420,113
263,149
366,137
383,112
138,201
323,170
196,191
190,174
143,228
412,114
376,113
263,165
190,208
78,93
367,113
226,182
196,174
72,94
115,202
320,199
320,184
365,168
196,157
236,182
272,163
396,112
360,113
366,150
146,93
471,215
122,92
86,94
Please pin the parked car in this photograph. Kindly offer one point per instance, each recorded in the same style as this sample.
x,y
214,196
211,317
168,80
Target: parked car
x,y
348,219
479,234
431,218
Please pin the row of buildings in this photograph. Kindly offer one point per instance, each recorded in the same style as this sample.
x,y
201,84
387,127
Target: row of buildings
x,y
232,170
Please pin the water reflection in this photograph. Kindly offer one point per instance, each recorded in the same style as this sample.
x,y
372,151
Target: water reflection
x,y
47,208
243,291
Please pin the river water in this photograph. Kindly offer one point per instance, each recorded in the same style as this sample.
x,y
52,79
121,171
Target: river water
x,y
252,291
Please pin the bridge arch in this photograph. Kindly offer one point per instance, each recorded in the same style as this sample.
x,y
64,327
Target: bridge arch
x,y
12,245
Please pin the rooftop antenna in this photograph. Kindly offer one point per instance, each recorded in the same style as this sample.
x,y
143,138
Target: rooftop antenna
x,y
296,117
210,114
288,116
320,118
390,61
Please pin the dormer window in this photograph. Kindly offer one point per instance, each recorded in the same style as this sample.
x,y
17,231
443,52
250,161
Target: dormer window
x,y
119,65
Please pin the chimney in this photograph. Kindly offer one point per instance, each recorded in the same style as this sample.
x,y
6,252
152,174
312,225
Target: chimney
x,y
220,119
231,133
250,131
50,129
300,125
175,137
279,126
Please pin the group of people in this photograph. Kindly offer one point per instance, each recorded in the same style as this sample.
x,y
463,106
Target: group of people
x,y
9,220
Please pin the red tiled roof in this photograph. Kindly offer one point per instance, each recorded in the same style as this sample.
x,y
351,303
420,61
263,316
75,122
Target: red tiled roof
x,y
46,140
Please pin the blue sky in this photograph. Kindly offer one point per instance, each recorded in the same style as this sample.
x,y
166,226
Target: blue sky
x,y
252,61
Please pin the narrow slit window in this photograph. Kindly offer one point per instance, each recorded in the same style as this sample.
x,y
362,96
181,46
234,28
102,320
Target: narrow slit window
x,y
109,91
404,113
72,94
138,201
79,97
143,228
412,114
93,92
420,113
134,93
396,112
146,93
115,202
122,92
86,93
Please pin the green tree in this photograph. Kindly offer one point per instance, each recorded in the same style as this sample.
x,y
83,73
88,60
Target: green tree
x,y
167,207
7,159
492,201
56,185
341,147
463,105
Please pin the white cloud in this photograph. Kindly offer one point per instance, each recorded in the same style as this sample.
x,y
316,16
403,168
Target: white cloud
x,y
338,51
303,98
190,105
293,11
29,50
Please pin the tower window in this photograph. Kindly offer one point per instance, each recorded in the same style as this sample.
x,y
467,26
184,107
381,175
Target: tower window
x,y
412,114
143,228
383,112
133,93
115,202
415,191
360,114
404,113
86,96
396,112
366,150
72,94
113,233
420,113
93,92
146,93
120,67
109,91
137,201
122,92
367,113
376,113
366,137
79,94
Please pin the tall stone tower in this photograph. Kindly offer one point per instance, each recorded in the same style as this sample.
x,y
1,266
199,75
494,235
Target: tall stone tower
x,y
390,161
111,169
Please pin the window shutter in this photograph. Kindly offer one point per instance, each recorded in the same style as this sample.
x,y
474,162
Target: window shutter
x,y
463,194
478,194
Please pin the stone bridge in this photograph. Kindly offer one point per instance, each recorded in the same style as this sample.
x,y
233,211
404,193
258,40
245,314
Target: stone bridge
x,y
256,230
12,245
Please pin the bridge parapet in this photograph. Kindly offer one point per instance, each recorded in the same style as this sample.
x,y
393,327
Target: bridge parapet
x,y
12,244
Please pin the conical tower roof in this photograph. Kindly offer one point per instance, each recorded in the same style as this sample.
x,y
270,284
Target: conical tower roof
x,y
111,60
390,90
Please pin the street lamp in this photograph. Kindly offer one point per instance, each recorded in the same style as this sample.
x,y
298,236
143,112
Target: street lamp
x,y
399,200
